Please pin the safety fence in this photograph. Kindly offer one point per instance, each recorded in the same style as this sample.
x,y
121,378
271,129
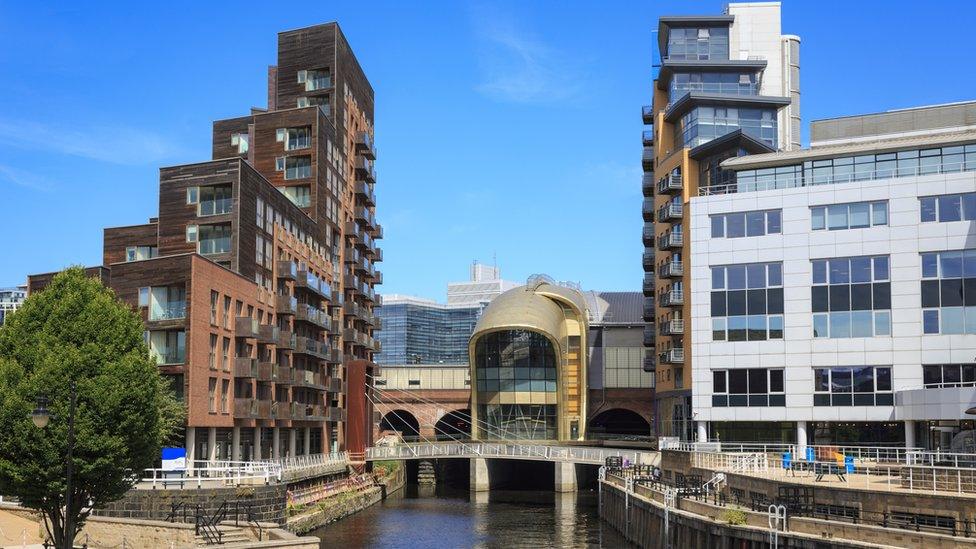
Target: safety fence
x,y
575,454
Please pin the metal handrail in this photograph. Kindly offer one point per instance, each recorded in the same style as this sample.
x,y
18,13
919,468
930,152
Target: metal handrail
x,y
575,454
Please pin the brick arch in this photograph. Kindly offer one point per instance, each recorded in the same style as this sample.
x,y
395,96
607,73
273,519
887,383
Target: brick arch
x,y
427,406
619,421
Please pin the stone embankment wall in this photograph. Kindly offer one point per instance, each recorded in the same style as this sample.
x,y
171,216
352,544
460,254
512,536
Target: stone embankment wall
x,y
345,501
267,503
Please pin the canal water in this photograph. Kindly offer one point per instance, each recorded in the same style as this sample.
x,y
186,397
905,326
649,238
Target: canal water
x,y
455,518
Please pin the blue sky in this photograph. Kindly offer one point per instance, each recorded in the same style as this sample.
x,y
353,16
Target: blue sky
x,y
504,129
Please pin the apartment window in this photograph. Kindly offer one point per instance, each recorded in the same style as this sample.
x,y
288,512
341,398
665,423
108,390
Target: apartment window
x,y
748,387
947,208
856,215
851,297
213,352
317,80
214,299
191,233
853,386
259,217
144,297
259,250
224,395
742,224
301,195
302,76
269,219
938,376
211,393
949,292
298,167
139,253
225,354
214,239
301,102
747,302
239,140
298,138
192,195
215,200
227,312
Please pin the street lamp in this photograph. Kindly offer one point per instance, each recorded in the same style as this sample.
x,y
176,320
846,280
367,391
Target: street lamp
x,y
41,417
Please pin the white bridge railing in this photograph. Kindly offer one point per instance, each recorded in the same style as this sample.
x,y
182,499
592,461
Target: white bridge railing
x,y
310,461
542,452
209,473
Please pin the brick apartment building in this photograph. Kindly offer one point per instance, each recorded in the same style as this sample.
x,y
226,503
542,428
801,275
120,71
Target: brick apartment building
x,y
256,281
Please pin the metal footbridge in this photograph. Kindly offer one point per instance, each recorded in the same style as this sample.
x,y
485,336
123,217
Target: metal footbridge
x,y
507,450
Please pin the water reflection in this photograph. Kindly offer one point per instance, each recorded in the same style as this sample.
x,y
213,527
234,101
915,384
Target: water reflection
x,y
457,518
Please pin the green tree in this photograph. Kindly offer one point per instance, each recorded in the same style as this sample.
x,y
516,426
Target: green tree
x,y
77,331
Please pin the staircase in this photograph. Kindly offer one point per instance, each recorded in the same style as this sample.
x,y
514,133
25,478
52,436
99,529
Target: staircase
x,y
229,536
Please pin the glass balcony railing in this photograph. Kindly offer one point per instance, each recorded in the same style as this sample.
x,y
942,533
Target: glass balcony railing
x,y
169,355
173,310
318,83
215,245
216,207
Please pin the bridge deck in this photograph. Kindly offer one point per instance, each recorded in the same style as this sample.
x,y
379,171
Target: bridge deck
x,y
495,450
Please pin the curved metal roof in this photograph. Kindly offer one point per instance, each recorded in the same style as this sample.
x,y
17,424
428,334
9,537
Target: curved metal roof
x,y
536,307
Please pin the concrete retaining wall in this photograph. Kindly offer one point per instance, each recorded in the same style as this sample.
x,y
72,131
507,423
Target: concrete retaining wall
x,y
267,502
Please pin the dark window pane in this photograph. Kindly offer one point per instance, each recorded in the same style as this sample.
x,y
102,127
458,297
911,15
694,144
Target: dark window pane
x,y
969,291
818,298
820,272
758,400
718,303
718,382
968,207
735,277
718,226
774,222
821,379
737,303
823,399
735,225
777,400
930,265
774,300
843,399
884,399
864,380
932,374
756,275
840,297
930,322
841,380
882,296
720,401
776,381
951,292
881,268
864,399
861,297
755,224
969,373
861,269
883,378
949,208
737,382
718,278
739,400
951,374
756,302
775,274
930,293
757,380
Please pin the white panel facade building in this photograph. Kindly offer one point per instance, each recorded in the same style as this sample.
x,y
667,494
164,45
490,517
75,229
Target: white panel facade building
x,y
833,289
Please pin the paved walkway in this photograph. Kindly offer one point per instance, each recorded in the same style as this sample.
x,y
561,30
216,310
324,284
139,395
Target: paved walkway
x,y
887,481
13,529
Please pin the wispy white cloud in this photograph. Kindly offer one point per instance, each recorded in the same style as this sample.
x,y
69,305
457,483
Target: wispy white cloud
x,y
22,178
113,144
518,66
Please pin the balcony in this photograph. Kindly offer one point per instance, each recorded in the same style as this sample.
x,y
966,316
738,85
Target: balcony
x,y
364,145
267,371
673,298
245,326
648,285
286,269
377,232
309,378
670,184
671,210
647,184
377,323
245,367
311,347
647,209
280,410
647,114
649,363
268,334
284,375
671,269
648,309
286,340
334,385
647,235
647,159
308,281
355,310
365,192
672,356
364,170
285,305
673,327
647,137
245,408
649,336
307,313
316,412
668,240
334,356
297,410
161,311
366,218
648,261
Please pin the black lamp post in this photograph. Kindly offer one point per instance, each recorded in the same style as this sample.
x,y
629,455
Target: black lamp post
x,y
41,417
